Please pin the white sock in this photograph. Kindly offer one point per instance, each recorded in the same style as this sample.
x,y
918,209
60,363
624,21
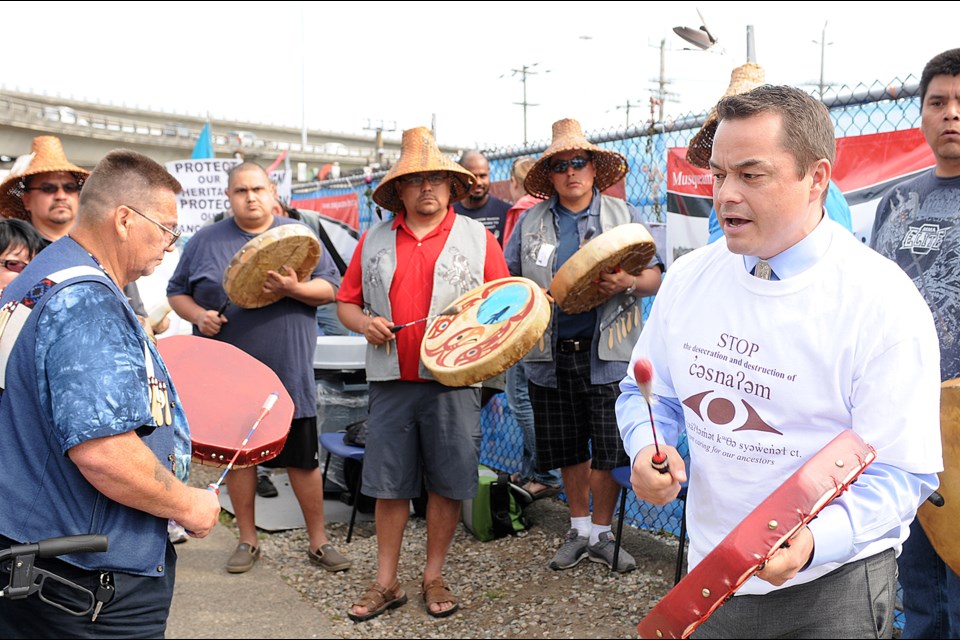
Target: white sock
x,y
596,530
582,525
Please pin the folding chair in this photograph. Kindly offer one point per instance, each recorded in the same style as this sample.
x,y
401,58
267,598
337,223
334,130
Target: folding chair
x,y
333,444
622,477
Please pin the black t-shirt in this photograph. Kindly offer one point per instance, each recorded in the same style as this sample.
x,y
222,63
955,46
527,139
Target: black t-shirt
x,y
493,215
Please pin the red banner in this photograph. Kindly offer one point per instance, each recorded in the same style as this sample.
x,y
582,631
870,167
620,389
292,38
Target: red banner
x,y
345,208
865,167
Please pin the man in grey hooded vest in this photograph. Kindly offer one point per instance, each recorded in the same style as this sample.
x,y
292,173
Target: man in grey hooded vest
x,y
575,370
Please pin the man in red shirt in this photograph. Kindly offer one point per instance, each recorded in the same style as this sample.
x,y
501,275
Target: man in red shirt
x,y
408,268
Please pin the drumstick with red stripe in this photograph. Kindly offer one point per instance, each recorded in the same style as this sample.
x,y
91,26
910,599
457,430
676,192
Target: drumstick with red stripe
x,y
643,373
267,406
452,310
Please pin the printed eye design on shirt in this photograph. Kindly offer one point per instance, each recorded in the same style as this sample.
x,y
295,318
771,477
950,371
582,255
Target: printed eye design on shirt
x,y
721,411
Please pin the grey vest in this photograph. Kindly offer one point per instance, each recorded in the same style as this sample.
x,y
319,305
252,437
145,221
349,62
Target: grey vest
x,y
619,318
459,269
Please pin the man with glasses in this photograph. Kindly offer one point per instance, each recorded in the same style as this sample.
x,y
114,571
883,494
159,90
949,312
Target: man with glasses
x,y
282,335
420,431
575,370
80,449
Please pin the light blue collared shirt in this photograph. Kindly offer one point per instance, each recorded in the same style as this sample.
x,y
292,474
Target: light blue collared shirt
x,y
799,257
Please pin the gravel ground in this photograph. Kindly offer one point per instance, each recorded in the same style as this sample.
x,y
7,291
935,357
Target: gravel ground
x,y
505,587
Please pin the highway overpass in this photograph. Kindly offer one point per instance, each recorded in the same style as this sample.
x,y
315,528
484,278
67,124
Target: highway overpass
x,y
89,130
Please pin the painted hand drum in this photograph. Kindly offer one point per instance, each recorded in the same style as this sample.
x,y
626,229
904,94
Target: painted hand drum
x,y
774,521
222,390
293,245
940,523
628,246
497,324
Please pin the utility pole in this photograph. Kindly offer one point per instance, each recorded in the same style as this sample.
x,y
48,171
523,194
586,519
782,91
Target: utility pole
x,y
627,108
660,93
823,54
303,84
379,127
524,71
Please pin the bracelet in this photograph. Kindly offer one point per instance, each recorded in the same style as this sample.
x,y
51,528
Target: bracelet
x,y
632,287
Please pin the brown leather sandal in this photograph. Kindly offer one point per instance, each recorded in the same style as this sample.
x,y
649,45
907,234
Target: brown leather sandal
x,y
437,592
376,600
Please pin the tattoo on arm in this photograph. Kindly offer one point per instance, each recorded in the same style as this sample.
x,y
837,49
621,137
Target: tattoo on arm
x,y
161,475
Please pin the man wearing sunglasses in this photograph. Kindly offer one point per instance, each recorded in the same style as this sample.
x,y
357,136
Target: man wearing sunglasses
x,y
43,188
575,370
46,192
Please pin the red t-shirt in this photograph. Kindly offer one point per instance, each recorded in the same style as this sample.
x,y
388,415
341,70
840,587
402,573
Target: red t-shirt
x,y
412,285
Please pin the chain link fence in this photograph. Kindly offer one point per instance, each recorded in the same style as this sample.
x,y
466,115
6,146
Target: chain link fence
x,y
857,110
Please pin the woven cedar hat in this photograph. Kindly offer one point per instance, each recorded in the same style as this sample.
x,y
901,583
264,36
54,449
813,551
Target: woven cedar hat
x,y
47,157
744,78
419,153
568,136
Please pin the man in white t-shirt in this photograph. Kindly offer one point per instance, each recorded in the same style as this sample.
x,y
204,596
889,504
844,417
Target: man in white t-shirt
x,y
764,349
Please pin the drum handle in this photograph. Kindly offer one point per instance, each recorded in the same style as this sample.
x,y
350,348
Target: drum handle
x,y
264,410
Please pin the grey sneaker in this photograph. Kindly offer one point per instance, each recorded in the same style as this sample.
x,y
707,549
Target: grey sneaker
x,y
603,552
571,552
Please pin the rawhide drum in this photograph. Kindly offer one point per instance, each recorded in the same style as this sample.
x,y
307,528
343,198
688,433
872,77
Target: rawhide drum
x,y
222,390
940,523
496,325
747,547
628,246
293,245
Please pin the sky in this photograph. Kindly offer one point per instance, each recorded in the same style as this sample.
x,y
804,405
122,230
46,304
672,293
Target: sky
x,y
356,66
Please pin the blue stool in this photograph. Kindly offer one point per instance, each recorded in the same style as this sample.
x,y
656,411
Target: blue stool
x,y
622,476
333,443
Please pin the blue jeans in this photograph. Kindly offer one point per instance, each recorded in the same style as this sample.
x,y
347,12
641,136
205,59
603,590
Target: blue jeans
x,y
931,590
518,399
328,324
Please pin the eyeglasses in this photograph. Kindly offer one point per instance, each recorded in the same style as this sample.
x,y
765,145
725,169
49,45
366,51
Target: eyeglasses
x,y
14,265
578,162
175,232
416,179
49,188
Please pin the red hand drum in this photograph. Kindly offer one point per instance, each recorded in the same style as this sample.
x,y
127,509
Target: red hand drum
x,y
745,549
222,390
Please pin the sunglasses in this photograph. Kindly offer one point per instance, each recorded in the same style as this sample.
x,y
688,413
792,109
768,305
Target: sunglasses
x,y
14,265
50,189
578,162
